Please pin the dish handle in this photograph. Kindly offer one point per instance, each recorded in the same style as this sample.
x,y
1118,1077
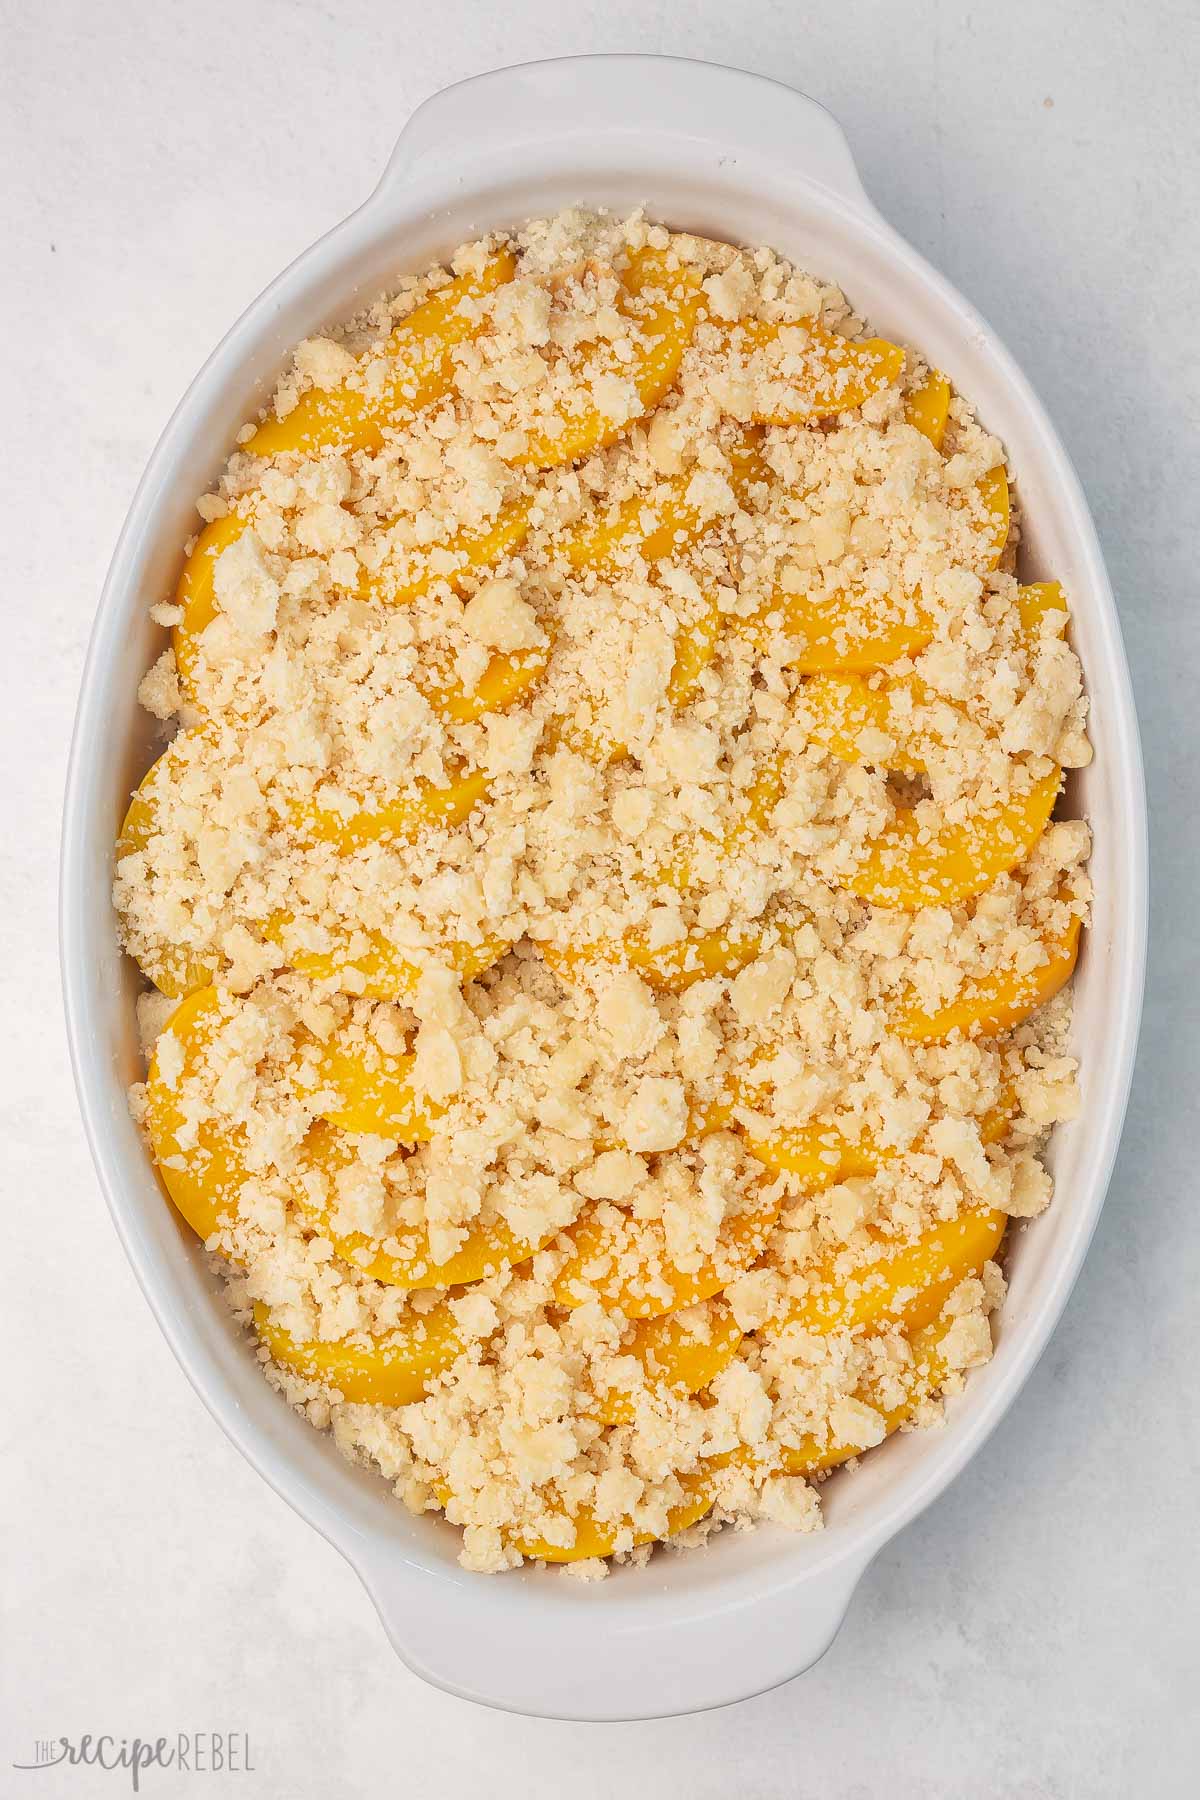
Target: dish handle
x,y
530,1643
723,115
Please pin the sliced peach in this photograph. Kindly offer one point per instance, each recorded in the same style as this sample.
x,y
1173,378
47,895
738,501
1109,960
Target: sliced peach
x,y
418,369
174,971
465,554
817,1153
372,1092
196,595
919,1382
844,705
1039,600
623,1261
592,1538
680,1352
393,1370
383,970
994,1003
910,866
807,372
679,524
673,966
688,867
589,1537
202,1167
928,407
992,490
905,1285
821,1154
397,582
695,647
489,1246
401,818
488,1249
857,633
662,523
664,302
507,679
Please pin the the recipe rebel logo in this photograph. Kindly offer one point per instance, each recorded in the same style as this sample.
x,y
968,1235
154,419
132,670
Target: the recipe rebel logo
x,y
185,1752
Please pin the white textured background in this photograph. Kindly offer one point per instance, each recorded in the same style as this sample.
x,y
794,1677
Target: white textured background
x,y
1036,1633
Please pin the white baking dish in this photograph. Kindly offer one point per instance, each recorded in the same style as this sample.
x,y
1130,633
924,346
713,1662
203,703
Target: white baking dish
x,y
733,156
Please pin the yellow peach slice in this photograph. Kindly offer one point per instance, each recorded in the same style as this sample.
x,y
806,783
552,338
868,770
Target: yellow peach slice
x,y
680,1352
197,598
393,1370
624,1262
507,679
994,1003
820,1153
857,633
664,522
174,971
806,372
453,563
590,1537
371,1092
919,1382
811,1456
910,866
593,1538
928,407
202,1166
679,524
817,1153
1039,600
857,637
380,969
488,1249
664,302
672,967
417,369
695,648
844,705
992,489
489,1245
401,818
905,1285
398,581
709,853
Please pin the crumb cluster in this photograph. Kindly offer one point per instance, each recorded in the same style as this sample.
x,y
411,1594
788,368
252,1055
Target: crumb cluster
x,y
607,927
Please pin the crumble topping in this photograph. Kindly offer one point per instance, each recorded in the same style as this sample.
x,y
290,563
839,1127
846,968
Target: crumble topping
x,y
610,927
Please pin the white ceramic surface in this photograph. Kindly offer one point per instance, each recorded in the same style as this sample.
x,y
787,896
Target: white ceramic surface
x,y
734,156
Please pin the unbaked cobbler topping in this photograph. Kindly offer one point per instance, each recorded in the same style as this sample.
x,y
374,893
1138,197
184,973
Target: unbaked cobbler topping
x,y
607,924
